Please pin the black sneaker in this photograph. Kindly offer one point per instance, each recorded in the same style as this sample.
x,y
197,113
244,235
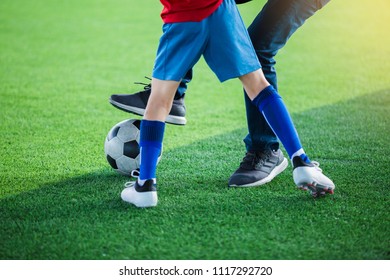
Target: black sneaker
x,y
136,104
258,169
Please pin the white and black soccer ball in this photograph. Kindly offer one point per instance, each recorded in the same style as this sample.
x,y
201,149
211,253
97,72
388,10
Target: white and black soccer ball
x,y
122,146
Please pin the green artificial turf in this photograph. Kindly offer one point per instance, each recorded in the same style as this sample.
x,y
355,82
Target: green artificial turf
x,y
59,198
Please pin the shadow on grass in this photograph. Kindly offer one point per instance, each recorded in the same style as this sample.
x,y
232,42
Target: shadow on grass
x,y
199,217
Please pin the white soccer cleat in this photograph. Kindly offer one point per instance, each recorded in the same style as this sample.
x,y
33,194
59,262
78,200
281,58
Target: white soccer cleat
x,y
309,177
140,196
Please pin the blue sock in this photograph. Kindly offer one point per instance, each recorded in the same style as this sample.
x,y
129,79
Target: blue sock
x,y
271,105
152,134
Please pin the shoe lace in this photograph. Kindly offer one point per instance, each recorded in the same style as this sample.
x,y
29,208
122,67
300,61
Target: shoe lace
x,y
316,165
133,174
146,86
252,159
129,184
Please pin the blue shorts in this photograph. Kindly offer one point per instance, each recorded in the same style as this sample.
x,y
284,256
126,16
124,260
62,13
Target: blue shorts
x,y
221,38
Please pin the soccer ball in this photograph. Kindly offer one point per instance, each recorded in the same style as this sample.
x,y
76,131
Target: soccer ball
x,y
122,146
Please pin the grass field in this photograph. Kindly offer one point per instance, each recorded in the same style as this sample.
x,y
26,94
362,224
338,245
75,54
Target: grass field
x,y
59,199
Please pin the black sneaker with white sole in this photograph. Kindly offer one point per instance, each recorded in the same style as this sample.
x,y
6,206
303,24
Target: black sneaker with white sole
x,y
258,168
136,104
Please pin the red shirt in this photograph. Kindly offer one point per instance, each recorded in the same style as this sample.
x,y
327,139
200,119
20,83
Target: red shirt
x,y
187,10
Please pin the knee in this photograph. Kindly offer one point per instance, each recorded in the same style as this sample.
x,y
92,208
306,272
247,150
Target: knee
x,y
253,83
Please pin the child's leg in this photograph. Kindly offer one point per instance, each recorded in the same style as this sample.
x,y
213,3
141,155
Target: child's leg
x,y
143,192
272,107
153,125
306,175
160,100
